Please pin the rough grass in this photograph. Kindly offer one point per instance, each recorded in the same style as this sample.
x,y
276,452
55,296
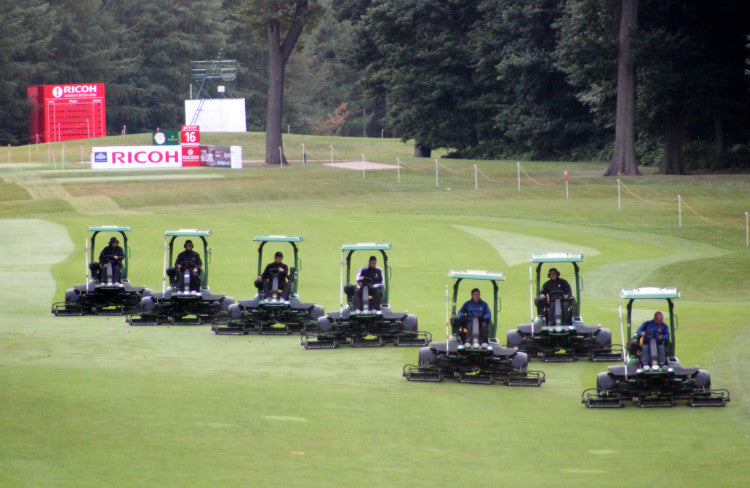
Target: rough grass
x,y
90,401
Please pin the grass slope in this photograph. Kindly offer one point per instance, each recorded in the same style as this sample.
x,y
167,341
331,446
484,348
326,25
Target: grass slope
x,y
91,402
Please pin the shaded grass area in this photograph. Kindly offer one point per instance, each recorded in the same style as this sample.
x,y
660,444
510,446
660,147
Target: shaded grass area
x,y
12,192
719,279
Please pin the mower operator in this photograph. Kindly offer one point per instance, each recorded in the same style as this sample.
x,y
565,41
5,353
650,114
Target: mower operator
x,y
474,308
114,254
275,269
654,330
372,276
554,287
189,259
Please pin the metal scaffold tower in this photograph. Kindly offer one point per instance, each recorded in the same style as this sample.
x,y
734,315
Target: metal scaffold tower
x,y
209,76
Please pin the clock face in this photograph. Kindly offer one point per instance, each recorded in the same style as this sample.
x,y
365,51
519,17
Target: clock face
x,y
160,138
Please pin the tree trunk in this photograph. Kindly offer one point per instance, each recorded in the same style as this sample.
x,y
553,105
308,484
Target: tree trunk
x,y
422,151
275,103
672,162
278,55
623,159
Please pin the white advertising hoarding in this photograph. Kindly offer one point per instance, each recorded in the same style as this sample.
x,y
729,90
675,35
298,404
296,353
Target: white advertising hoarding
x,y
136,157
217,114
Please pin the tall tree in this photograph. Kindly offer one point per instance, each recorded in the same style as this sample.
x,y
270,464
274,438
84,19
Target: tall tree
x,y
586,51
416,54
283,22
687,56
323,77
623,157
689,61
29,30
163,37
528,106
252,64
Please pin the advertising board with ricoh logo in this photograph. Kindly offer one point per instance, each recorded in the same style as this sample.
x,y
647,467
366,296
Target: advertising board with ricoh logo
x,y
136,157
83,90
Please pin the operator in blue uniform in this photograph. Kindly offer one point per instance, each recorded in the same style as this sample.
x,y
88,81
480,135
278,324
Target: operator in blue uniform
x,y
474,308
655,330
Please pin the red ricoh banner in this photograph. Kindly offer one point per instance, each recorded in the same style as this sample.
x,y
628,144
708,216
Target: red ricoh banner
x,y
65,112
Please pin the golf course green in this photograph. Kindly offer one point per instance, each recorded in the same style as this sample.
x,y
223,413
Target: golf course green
x,y
91,401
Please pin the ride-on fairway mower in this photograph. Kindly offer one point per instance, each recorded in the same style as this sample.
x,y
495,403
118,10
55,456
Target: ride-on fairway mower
x,y
557,332
468,356
103,293
275,314
652,385
185,298
369,324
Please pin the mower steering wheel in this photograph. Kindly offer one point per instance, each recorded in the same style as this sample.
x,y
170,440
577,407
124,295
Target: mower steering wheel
x,y
554,295
274,272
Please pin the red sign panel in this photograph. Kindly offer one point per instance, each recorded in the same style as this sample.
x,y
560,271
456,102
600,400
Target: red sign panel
x,y
191,155
191,134
191,145
65,112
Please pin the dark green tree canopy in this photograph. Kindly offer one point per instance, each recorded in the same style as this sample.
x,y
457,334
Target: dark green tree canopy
x,y
483,78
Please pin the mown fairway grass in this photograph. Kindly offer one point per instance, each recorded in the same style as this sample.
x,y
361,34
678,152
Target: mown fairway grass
x,y
92,402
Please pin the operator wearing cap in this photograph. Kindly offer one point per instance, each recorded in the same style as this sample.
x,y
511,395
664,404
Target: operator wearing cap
x,y
114,254
189,259
555,287
275,269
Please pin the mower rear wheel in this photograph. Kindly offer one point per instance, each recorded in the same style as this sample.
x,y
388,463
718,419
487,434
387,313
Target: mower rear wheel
x,y
519,360
410,323
604,382
702,380
147,304
514,338
235,312
325,325
316,312
72,296
603,337
427,356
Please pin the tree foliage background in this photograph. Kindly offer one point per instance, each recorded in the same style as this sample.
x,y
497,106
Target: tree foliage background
x,y
483,78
